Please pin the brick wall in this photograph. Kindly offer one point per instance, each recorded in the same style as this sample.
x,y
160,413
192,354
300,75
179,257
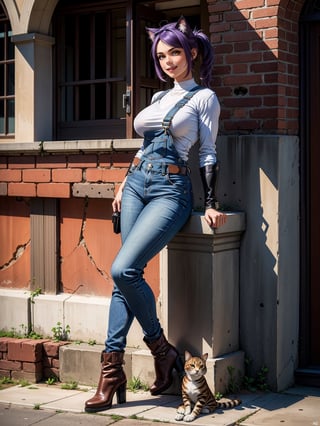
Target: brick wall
x,y
63,176
256,66
29,359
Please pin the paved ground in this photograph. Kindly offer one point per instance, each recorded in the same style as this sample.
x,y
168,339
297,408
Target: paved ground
x,y
42,404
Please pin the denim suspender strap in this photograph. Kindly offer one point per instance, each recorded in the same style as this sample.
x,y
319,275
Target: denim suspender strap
x,y
168,118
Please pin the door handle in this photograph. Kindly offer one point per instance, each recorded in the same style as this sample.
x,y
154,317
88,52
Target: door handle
x,y
126,101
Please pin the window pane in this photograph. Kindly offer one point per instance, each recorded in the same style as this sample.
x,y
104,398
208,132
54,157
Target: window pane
x,y
118,44
101,47
10,84
67,103
2,41
84,102
10,110
69,60
100,100
2,79
2,118
118,89
84,51
10,46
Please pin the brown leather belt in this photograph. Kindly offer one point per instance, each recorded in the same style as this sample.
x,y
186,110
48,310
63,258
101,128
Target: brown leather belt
x,y
173,169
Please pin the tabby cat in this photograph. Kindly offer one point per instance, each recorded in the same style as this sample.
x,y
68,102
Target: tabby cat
x,y
196,392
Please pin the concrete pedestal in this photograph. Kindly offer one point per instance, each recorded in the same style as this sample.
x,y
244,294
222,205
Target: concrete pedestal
x,y
200,293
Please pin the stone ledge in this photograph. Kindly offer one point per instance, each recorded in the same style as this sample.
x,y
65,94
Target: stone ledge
x,y
73,146
81,363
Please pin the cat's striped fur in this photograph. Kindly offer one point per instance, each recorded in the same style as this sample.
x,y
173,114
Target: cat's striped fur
x,y
196,395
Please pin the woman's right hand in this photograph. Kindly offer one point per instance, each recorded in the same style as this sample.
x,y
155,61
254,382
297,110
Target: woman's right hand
x,y
116,203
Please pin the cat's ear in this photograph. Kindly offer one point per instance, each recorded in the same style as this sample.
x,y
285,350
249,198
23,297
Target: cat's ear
x,y
151,33
183,26
187,355
205,357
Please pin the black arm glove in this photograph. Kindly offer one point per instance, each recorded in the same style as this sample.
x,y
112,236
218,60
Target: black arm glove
x,y
209,179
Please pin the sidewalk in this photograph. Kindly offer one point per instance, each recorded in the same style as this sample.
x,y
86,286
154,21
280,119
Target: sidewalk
x,y
42,404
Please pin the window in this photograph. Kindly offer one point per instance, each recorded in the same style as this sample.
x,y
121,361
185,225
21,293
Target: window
x,y
6,77
91,65
103,71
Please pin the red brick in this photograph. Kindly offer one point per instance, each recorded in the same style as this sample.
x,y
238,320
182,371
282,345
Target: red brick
x,y
50,372
55,363
3,188
26,162
22,189
3,344
248,4
3,163
51,349
104,160
5,373
10,365
82,160
36,175
32,367
67,175
53,190
52,162
46,361
25,350
29,350
122,160
106,175
264,12
8,175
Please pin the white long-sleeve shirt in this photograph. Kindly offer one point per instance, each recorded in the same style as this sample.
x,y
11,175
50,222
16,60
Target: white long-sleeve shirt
x,y
197,120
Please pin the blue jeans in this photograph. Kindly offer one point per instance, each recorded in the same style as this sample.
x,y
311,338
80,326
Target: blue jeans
x,y
154,207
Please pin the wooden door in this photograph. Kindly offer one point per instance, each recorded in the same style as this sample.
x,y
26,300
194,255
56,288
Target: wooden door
x,y
314,193
309,360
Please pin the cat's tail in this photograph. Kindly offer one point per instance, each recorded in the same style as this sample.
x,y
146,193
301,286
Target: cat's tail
x,y
229,404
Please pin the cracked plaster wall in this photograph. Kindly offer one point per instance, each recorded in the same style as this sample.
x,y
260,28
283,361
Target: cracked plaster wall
x,y
88,247
14,243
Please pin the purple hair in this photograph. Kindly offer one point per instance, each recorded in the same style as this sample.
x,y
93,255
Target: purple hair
x,y
176,35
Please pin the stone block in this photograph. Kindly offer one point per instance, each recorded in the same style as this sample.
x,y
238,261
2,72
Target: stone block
x,y
219,375
14,309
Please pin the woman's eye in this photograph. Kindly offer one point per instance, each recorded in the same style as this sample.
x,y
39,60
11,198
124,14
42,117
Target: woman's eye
x,y
176,52
160,57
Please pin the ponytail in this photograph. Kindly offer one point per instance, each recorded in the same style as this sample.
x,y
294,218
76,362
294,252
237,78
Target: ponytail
x,y
207,56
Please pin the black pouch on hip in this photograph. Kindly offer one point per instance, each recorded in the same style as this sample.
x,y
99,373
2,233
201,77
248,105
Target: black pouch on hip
x,y
116,222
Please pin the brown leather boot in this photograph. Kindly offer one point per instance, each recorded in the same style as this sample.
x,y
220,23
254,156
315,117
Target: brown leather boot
x,y
112,379
166,357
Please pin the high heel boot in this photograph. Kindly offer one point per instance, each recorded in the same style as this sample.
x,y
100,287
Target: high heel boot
x,y
166,357
112,379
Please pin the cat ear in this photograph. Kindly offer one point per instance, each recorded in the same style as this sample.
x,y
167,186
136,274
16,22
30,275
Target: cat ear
x,y
205,357
187,355
151,33
183,26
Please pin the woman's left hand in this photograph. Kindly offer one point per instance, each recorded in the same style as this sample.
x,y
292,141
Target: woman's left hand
x,y
215,218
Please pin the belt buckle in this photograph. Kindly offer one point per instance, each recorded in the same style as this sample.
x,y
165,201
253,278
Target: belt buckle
x,y
174,169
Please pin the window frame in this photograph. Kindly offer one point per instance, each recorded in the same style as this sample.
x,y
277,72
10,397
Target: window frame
x,y
6,62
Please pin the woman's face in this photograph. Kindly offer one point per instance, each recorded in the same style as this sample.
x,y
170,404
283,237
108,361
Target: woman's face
x,y
173,61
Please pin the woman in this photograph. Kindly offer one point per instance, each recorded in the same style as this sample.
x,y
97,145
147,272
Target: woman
x,y
155,200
